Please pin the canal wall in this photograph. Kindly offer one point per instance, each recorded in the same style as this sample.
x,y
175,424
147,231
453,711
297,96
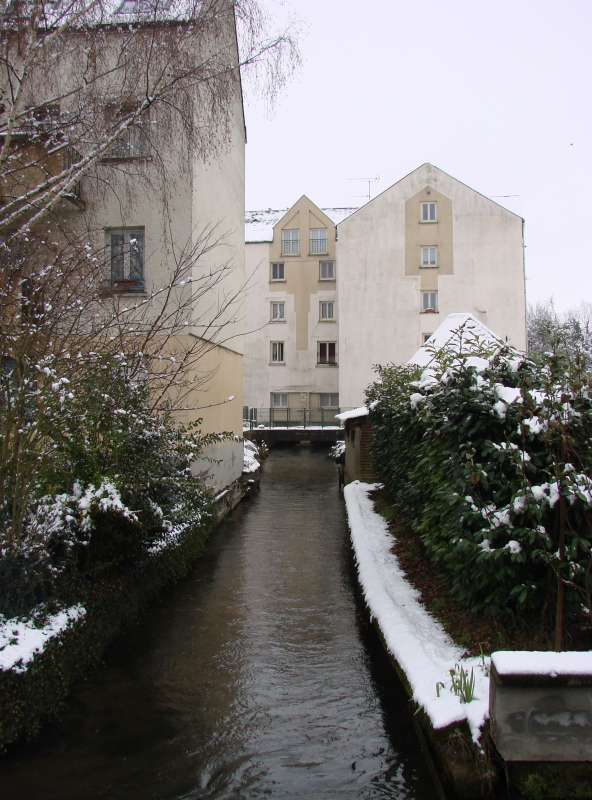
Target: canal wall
x,y
524,716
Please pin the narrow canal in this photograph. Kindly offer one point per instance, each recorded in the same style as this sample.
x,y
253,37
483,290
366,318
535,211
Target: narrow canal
x,y
254,677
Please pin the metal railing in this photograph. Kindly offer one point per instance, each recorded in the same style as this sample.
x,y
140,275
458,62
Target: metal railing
x,y
290,247
318,246
279,417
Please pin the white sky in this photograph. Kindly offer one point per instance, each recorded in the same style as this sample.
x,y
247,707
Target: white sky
x,y
497,95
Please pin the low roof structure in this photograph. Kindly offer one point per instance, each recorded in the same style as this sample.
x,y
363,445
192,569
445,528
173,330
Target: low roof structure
x,y
461,327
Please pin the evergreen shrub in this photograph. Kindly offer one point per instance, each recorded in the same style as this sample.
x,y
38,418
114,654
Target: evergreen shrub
x,y
487,453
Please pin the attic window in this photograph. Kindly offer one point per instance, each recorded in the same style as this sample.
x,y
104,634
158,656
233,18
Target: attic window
x,y
143,6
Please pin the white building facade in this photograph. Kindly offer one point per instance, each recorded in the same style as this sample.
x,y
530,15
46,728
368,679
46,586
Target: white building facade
x,y
426,247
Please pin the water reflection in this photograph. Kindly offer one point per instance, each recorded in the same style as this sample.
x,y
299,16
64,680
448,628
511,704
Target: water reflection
x,y
252,678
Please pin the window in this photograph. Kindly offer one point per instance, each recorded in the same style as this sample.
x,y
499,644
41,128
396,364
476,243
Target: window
x,y
318,240
327,271
277,352
143,6
279,400
329,401
426,337
134,141
327,353
429,301
289,242
277,272
429,256
428,212
126,255
327,310
277,310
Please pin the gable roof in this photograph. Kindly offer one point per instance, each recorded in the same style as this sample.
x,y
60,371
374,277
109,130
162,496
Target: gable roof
x,y
259,225
431,168
462,322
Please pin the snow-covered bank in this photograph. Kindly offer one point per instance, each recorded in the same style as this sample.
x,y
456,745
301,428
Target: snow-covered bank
x,y
415,639
21,640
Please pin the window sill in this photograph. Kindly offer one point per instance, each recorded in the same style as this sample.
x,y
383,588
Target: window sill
x,y
319,253
429,312
277,280
290,255
428,221
325,364
120,159
277,363
328,320
275,321
327,280
122,287
429,266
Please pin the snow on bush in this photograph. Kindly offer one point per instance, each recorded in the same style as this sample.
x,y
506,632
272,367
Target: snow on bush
x,y
488,454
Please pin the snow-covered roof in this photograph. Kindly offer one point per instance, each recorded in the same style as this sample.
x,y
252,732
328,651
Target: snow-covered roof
x,y
352,414
259,225
471,328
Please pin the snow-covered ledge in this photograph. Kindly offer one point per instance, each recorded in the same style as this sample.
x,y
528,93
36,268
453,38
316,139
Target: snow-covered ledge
x,y
417,641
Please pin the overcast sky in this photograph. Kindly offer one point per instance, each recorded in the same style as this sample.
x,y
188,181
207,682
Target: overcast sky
x,y
497,95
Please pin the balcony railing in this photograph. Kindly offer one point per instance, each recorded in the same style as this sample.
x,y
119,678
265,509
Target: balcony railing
x,y
318,246
290,247
283,417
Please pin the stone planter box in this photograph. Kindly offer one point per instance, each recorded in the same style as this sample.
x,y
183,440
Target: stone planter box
x,y
540,706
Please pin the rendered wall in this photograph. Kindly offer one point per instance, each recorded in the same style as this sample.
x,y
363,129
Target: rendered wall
x,y
301,329
381,281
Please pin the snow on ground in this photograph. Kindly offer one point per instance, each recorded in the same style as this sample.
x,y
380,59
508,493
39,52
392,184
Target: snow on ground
x,y
21,641
417,641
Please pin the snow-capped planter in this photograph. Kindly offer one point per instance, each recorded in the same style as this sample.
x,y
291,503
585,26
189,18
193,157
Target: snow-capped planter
x,y
541,705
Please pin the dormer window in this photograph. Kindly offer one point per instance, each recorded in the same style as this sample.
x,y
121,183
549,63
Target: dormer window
x,y
318,240
289,243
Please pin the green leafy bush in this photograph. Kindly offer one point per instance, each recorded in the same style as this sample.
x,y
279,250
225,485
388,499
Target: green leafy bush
x,y
113,482
488,454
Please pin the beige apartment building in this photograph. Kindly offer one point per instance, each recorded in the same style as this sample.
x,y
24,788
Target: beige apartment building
x,y
335,291
291,311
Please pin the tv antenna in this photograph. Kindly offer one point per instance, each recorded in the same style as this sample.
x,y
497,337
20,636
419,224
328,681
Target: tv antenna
x,y
365,180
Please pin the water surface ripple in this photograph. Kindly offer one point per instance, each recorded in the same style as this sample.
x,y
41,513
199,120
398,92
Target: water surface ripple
x,y
254,677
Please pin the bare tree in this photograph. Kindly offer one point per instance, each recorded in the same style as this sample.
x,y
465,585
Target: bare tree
x,y
93,94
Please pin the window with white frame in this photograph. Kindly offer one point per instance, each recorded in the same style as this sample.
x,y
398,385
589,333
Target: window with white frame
x,y
327,310
126,256
428,212
327,353
134,141
327,271
429,301
278,272
429,256
289,242
329,401
277,311
279,400
277,352
318,240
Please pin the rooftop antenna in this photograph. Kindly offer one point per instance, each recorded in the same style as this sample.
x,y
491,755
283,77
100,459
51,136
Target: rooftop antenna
x,y
365,180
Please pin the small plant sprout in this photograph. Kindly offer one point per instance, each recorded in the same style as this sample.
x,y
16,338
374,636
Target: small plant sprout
x,y
462,684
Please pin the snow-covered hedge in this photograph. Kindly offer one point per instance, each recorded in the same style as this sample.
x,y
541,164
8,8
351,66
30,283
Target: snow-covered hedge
x,y
110,480
488,455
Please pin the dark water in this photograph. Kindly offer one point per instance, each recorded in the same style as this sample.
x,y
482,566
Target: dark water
x,y
254,677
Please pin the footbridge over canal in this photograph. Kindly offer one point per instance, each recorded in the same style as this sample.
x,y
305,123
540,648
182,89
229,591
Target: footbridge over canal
x,y
292,424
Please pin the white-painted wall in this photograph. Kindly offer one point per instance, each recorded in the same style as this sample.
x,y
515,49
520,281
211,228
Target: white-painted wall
x,y
380,302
